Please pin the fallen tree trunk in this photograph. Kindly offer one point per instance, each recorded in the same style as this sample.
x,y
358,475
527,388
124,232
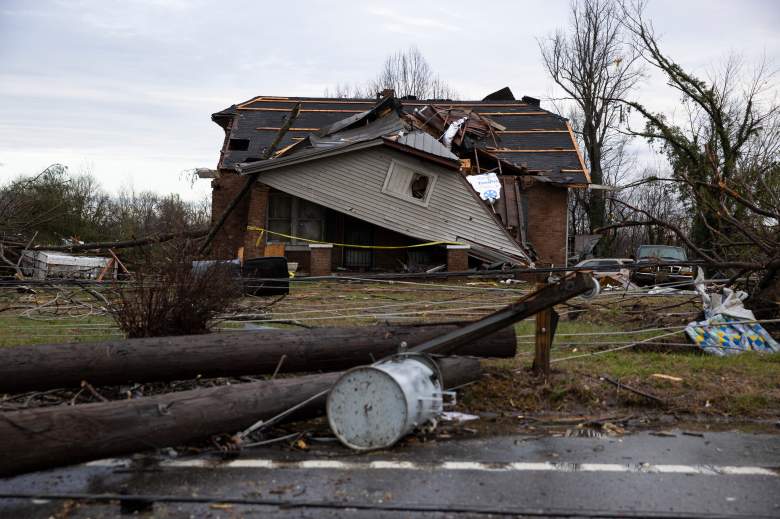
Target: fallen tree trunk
x,y
49,437
25,368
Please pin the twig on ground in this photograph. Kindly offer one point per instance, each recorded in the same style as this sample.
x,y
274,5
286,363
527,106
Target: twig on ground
x,y
88,386
620,385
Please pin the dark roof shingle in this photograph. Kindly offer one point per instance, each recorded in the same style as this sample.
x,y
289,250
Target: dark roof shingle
x,y
536,139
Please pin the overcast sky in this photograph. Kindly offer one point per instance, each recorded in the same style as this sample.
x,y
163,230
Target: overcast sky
x,y
126,89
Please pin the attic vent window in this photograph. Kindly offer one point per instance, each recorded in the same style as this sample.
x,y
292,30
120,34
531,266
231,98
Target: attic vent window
x,y
238,144
409,184
419,186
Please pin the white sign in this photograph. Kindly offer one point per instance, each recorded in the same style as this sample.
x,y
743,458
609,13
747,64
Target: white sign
x,y
487,185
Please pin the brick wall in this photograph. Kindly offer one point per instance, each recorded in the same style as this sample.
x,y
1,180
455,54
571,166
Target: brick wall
x,y
231,237
457,258
257,216
320,259
547,221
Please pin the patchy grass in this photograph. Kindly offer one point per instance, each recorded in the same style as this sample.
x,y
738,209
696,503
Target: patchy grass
x,y
745,386
18,331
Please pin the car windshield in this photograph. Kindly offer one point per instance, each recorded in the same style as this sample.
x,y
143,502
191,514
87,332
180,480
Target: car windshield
x,y
662,252
603,263
594,263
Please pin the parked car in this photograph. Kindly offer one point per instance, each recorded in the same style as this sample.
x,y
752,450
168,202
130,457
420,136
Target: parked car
x,y
648,272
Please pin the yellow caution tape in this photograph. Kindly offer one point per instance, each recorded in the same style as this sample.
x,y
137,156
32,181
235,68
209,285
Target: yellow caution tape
x,y
381,247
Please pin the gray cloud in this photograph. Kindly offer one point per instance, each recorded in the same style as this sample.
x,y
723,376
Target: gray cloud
x,y
129,87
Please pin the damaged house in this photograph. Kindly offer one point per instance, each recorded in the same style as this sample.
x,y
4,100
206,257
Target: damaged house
x,y
397,184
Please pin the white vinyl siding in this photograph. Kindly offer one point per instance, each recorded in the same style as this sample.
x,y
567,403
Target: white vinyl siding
x,y
352,184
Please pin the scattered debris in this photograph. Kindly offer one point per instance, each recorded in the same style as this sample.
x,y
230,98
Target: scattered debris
x,y
53,265
663,434
728,328
666,377
454,416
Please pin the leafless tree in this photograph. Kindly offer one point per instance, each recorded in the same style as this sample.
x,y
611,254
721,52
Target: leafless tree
x,y
54,206
725,162
594,64
652,196
406,72
348,91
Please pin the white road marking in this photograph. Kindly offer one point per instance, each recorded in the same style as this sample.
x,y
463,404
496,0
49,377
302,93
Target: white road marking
x,y
641,468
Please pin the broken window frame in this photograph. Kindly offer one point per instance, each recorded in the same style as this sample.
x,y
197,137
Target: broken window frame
x,y
395,169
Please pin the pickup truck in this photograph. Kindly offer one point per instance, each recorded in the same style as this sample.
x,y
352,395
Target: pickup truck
x,y
647,272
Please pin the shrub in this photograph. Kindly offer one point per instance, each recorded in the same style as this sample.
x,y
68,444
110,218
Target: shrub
x,y
167,297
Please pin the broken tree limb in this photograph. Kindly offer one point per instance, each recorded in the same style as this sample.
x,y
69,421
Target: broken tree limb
x,y
48,437
124,244
250,179
222,354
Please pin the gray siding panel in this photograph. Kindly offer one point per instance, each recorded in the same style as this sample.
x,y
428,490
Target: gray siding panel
x,y
352,184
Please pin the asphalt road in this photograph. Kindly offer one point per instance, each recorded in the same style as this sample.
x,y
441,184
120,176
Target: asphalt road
x,y
639,475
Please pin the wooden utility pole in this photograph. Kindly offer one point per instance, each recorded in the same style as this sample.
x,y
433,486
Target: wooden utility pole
x,y
543,343
233,354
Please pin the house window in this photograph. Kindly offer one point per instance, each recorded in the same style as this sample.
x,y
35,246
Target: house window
x,y
294,217
409,184
238,144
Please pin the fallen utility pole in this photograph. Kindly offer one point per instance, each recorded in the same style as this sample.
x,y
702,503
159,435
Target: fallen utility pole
x,y
48,437
222,355
250,179
546,297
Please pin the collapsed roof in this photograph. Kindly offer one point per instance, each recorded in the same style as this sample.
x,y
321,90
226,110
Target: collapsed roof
x,y
519,133
384,124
